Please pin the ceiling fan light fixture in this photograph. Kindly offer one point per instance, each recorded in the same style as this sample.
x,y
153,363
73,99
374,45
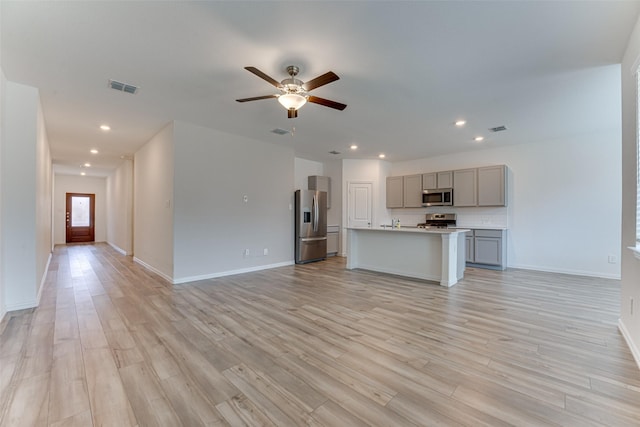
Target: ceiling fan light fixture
x,y
292,101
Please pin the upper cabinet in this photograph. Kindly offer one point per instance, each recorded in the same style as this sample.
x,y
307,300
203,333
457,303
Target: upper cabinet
x,y
412,191
492,186
395,193
464,187
429,180
435,180
485,186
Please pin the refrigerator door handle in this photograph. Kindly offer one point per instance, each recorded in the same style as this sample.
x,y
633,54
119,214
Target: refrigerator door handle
x,y
315,213
312,239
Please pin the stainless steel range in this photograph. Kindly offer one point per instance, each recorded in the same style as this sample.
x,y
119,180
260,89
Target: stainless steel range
x,y
439,220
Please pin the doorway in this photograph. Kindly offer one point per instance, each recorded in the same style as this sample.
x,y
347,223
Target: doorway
x,y
80,217
359,204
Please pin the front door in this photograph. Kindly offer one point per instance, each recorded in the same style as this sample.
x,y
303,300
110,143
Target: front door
x,y
80,217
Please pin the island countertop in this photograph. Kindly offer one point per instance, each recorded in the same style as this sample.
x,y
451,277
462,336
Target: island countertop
x,y
414,229
435,254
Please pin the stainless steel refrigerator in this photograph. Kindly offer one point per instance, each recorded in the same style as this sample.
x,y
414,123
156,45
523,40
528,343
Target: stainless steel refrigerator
x,y
311,226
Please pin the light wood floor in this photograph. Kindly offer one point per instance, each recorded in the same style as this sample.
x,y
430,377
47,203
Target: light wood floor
x,y
112,344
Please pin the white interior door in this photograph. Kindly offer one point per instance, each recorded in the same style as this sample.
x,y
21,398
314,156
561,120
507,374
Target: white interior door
x,y
360,204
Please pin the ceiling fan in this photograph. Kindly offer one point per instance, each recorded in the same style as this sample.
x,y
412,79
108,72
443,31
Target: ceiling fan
x,y
294,93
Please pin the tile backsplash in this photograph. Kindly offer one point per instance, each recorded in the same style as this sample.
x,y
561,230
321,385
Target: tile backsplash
x,y
466,217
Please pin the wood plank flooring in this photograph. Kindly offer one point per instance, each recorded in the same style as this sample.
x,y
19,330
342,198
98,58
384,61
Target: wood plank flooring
x,y
111,344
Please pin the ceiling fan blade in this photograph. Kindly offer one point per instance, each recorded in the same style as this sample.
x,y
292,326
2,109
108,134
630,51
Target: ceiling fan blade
x,y
263,76
320,81
256,98
327,103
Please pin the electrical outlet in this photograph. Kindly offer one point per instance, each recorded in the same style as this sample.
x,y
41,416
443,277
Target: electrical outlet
x,y
265,251
246,252
612,259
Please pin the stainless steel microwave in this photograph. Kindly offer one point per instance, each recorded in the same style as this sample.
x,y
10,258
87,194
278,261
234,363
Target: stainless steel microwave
x,y
439,197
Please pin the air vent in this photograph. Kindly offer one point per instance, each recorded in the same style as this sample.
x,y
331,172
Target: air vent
x,y
123,87
279,131
334,152
498,128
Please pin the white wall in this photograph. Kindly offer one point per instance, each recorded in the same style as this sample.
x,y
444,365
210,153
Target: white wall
x,y
25,192
333,169
630,324
64,184
304,168
564,201
153,205
44,201
3,83
213,225
374,171
119,205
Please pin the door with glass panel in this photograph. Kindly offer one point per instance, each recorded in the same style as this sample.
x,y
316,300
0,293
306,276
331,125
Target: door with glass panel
x,y
80,217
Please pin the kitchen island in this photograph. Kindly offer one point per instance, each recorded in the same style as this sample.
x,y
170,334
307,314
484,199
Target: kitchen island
x,y
429,254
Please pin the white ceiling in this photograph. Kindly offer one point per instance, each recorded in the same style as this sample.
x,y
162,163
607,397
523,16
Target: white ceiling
x,y
407,71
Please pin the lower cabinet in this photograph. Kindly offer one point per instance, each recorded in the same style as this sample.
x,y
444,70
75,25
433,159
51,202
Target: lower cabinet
x,y
486,249
333,240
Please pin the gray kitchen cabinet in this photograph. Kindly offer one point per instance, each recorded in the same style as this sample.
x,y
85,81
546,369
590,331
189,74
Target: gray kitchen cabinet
x,y
492,186
469,257
464,187
320,183
395,192
429,181
333,240
445,179
435,180
486,249
412,191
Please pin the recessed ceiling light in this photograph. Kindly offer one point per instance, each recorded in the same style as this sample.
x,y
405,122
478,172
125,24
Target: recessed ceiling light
x,y
87,165
94,151
105,127
354,147
478,138
461,123
381,155
82,173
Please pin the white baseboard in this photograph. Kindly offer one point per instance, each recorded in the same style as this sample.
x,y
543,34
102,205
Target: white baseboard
x,y
209,276
22,306
231,272
118,249
43,279
566,271
33,303
155,270
632,346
